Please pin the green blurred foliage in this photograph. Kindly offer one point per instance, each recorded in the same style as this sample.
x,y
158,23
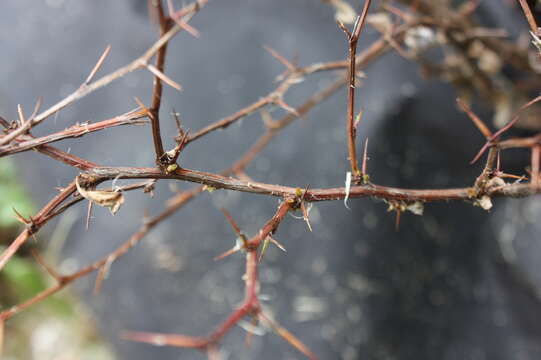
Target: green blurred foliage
x,y
23,277
58,327
12,195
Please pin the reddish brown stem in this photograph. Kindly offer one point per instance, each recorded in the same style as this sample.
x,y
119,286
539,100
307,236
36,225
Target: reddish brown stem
x,y
66,158
312,195
353,38
529,16
165,25
27,142
483,128
509,125
249,306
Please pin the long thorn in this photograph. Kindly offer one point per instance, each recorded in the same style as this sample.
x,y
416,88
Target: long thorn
x,y
365,158
190,29
476,120
227,253
46,266
36,108
232,222
288,64
288,336
20,111
163,77
98,65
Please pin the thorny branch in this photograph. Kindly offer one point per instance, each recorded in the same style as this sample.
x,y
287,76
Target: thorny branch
x,y
154,114
353,38
372,53
16,138
249,307
86,89
25,142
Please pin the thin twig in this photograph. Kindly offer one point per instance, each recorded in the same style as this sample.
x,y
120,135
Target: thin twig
x,y
27,143
536,152
273,97
177,17
288,336
475,119
68,159
165,26
529,16
509,125
353,38
46,266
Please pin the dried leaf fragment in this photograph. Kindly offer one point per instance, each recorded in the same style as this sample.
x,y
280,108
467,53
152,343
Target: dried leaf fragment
x,y
419,38
381,21
106,198
484,202
344,11
416,208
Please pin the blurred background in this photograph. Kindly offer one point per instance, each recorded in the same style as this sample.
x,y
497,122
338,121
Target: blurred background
x,y
456,283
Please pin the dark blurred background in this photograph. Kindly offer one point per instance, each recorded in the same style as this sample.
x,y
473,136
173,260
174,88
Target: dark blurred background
x,y
456,283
